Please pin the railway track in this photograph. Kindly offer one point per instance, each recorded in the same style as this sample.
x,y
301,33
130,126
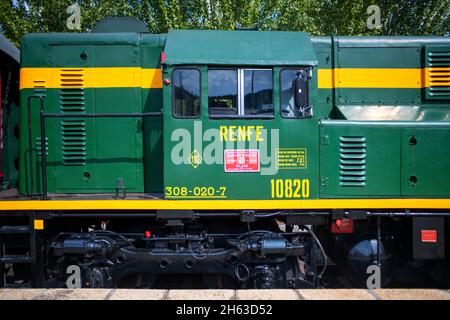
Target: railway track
x,y
274,294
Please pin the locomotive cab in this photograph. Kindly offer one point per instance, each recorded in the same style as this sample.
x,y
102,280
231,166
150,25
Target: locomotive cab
x,y
231,112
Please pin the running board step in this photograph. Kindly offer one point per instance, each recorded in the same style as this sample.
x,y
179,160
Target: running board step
x,y
14,229
15,259
25,285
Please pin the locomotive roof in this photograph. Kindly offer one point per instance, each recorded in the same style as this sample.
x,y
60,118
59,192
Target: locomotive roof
x,y
7,47
251,48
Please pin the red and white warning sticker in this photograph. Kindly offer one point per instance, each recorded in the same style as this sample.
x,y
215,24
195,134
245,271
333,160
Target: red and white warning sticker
x,y
241,160
429,235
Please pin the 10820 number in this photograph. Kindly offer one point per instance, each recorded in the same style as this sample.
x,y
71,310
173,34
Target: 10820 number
x,y
289,188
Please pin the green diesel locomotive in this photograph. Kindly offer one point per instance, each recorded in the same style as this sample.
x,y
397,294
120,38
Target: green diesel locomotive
x,y
251,158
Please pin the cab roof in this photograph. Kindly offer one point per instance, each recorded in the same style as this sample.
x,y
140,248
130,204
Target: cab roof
x,y
9,49
250,48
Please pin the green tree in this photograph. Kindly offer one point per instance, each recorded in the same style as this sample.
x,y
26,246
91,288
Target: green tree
x,y
317,17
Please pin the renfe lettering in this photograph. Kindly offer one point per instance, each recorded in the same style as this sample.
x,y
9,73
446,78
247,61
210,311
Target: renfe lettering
x,y
241,133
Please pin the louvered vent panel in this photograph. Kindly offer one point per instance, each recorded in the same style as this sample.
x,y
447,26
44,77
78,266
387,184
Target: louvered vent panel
x,y
352,161
72,100
39,146
39,87
72,78
74,142
437,74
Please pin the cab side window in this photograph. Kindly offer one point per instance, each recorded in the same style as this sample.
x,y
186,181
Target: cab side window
x,y
238,93
258,92
222,92
186,93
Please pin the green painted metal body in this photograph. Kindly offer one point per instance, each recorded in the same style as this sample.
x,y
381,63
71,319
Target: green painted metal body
x,y
390,159
376,122
113,148
210,176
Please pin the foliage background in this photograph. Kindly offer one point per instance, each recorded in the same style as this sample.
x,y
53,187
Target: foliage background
x,y
317,17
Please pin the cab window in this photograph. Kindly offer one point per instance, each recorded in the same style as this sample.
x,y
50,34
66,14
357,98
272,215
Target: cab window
x,y
240,92
186,93
258,92
223,92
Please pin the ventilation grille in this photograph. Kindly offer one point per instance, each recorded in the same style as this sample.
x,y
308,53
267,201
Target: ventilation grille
x,y
352,161
74,142
39,146
72,100
39,87
72,91
438,72
72,78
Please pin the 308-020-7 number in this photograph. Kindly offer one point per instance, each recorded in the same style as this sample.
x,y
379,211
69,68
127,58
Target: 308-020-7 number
x,y
289,188
200,192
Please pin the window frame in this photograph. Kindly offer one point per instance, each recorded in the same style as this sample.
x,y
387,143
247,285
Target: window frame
x,y
173,92
240,70
308,70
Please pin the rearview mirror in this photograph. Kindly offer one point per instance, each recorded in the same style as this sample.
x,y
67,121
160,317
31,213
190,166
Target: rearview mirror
x,y
300,94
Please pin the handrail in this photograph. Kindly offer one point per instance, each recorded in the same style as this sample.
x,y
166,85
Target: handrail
x,y
102,115
30,140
